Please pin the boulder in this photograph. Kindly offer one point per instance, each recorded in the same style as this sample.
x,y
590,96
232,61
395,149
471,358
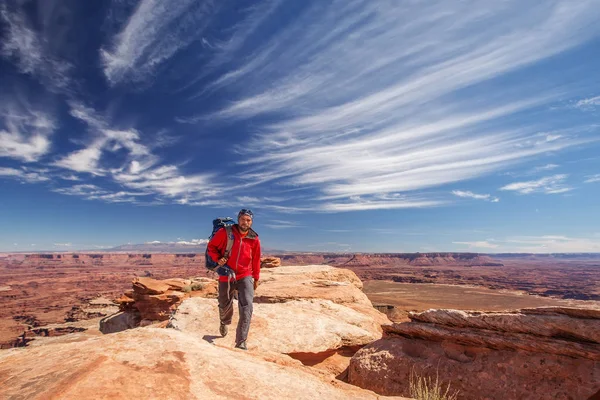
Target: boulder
x,y
161,363
160,306
270,262
142,285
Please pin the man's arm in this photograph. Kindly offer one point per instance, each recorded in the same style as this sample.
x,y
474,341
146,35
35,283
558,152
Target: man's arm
x,y
216,246
256,263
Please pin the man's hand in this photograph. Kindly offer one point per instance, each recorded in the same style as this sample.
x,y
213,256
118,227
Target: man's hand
x,y
222,261
255,284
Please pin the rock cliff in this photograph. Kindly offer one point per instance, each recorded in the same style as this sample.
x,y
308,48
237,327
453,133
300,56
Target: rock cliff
x,y
545,353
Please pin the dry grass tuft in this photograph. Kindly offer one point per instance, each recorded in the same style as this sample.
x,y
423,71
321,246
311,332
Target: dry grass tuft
x,y
424,388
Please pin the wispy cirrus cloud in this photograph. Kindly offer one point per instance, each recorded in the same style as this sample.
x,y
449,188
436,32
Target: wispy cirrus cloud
x,y
369,99
23,175
589,103
553,244
547,167
140,173
537,244
281,224
549,185
193,242
94,192
484,244
153,33
24,129
471,195
592,178
30,48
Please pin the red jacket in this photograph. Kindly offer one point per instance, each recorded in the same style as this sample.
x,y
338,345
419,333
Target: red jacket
x,y
244,259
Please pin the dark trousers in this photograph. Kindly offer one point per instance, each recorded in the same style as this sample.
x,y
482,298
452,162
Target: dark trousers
x,y
245,289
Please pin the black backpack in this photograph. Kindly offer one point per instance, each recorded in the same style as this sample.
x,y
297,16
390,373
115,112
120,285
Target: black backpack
x,y
221,222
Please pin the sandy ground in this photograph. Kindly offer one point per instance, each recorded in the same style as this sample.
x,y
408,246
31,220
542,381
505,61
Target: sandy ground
x,y
422,296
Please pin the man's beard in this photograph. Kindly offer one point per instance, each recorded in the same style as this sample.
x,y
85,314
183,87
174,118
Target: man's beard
x,y
244,229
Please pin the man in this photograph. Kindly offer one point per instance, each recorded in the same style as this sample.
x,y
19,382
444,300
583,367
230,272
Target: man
x,y
241,272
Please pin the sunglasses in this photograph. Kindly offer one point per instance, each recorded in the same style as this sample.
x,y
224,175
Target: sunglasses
x,y
245,211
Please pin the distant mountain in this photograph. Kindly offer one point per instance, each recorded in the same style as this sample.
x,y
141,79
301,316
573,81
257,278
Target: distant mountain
x,y
162,247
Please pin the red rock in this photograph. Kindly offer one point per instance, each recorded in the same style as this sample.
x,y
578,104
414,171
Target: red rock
x,y
159,306
177,283
142,285
538,355
270,262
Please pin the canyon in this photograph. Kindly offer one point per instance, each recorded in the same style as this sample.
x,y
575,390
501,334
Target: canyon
x,y
38,291
315,333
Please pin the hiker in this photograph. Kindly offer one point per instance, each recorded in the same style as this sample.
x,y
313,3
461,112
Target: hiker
x,y
240,271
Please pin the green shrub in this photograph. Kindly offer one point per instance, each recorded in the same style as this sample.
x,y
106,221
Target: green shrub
x,y
424,388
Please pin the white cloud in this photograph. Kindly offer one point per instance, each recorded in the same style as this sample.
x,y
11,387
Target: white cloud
x,y
23,175
478,245
193,242
547,167
24,129
549,185
281,224
588,103
356,203
475,196
537,244
141,172
93,192
360,94
552,244
84,160
592,178
82,190
63,244
155,32
29,48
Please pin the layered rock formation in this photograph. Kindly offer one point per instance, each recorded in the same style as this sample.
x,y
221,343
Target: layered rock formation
x,y
530,354
300,340
270,262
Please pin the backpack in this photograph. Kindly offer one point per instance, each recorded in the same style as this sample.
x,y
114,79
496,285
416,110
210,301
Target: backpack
x,y
218,223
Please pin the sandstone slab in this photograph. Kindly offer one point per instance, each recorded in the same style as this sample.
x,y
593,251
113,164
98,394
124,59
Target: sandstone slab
x,y
547,324
143,285
310,282
149,363
296,326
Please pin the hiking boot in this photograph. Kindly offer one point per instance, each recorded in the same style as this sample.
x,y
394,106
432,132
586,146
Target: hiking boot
x,y
223,329
241,345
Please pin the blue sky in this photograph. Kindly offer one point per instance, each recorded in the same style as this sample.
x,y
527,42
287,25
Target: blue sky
x,y
351,125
